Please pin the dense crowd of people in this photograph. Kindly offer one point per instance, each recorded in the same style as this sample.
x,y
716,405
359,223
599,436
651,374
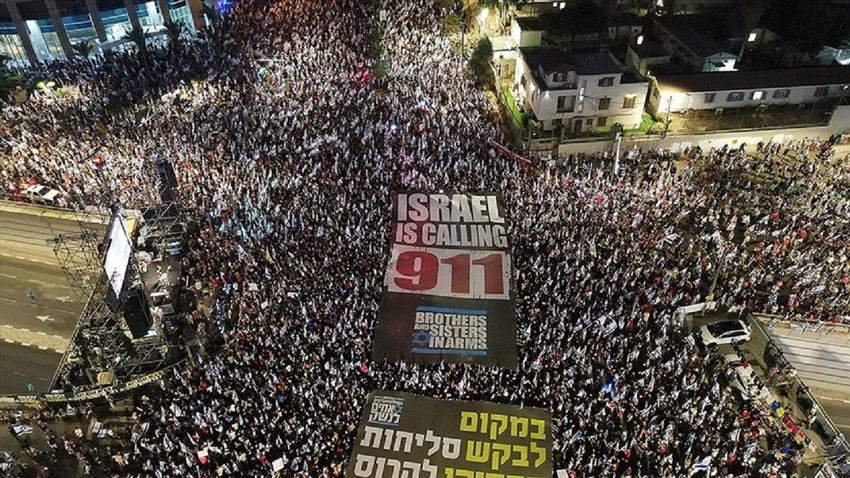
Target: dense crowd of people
x,y
288,150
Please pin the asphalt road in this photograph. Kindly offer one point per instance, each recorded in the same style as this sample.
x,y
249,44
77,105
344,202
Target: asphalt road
x,y
20,365
29,265
838,410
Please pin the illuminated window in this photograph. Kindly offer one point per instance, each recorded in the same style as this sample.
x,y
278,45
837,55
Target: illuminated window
x,y
629,102
752,37
757,95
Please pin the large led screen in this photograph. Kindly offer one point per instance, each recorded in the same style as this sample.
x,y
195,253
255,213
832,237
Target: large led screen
x,y
118,253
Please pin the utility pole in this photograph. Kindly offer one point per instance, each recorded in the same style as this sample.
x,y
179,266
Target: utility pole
x,y
463,40
618,132
721,250
667,120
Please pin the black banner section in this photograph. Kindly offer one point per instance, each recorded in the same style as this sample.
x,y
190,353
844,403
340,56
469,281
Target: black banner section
x,y
447,291
404,435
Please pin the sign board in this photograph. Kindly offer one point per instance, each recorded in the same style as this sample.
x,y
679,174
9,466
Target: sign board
x,y
404,435
447,290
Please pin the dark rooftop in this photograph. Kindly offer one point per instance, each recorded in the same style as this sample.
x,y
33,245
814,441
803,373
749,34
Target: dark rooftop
x,y
582,62
649,49
530,24
625,18
753,80
705,34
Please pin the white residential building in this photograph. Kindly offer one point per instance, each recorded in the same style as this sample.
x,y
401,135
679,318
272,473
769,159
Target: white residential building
x,y
737,89
581,91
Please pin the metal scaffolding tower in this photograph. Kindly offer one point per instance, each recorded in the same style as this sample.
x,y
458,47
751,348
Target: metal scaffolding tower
x,y
102,349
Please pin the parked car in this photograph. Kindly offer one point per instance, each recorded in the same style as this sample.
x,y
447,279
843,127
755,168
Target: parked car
x,y
724,332
743,378
41,194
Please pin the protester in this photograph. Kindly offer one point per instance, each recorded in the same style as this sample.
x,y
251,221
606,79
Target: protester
x,y
288,150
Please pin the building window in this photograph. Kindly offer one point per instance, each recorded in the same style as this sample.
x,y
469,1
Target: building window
x,y
11,45
604,103
51,39
562,103
79,28
557,122
629,102
559,77
116,22
822,91
180,11
735,96
757,95
607,81
780,94
601,121
709,97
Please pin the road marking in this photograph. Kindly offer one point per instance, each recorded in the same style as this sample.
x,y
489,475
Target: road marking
x,y
30,304
30,259
19,374
45,318
24,337
10,276
832,399
64,299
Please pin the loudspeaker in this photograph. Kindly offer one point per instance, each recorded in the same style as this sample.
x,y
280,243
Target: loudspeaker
x,y
166,192
167,169
137,314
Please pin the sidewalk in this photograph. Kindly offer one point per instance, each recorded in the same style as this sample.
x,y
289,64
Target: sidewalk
x,y
706,141
821,356
49,212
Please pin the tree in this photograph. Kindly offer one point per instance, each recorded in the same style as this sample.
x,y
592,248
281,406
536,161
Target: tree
x,y
479,61
751,13
137,36
803,26
609,7
452,24
174,30
577,18
83,48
